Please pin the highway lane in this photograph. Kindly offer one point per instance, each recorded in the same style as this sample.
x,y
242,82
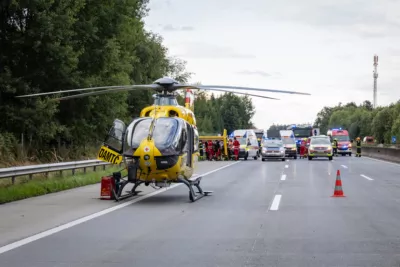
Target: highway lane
x,y
24,218
314,229
261,214
382,176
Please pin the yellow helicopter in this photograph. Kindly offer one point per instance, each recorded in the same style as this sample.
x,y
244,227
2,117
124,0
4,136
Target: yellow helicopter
x,y
161,146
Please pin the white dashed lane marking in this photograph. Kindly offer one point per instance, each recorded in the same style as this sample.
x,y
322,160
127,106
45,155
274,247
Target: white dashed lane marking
x,y
275,203
366,177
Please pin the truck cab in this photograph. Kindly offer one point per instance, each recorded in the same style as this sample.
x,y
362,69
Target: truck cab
x,y
344,142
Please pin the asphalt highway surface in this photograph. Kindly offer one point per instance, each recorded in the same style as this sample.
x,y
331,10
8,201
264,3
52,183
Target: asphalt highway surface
x,y
269,213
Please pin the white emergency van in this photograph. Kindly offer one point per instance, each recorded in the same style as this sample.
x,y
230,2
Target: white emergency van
x,y
248,143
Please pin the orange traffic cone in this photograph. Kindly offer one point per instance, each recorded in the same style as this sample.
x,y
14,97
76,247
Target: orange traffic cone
x,y
338,186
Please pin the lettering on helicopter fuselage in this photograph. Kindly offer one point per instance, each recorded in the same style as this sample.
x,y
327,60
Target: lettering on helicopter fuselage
x,y
108,155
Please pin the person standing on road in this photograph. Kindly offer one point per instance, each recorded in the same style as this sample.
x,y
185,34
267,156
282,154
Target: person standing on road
x,y
236,148
210,150
358,146
335,145
302,148
230,149
201,150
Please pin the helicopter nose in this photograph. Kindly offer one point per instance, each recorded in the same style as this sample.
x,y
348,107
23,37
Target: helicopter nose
x,y
147,161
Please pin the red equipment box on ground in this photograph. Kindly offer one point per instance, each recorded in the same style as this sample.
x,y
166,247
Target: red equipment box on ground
x,y
107,185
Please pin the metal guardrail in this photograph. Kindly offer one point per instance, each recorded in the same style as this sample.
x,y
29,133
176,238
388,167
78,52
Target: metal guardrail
x,y
13,172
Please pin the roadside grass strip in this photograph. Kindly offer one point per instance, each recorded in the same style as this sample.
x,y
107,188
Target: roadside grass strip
x,y
40,187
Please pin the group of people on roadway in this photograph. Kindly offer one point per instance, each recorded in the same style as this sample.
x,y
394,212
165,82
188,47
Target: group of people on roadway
x,y
213,150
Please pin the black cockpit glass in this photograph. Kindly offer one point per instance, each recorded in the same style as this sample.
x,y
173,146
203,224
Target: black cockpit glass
x,y
166,134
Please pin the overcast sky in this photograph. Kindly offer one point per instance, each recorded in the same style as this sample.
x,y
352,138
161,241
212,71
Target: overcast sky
x,y
325,48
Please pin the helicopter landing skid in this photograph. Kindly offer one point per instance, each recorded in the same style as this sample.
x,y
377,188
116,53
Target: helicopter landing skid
x,y
118,195
195,181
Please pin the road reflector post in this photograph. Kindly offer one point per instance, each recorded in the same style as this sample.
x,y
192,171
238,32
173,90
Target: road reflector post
x,y
107,187
338,186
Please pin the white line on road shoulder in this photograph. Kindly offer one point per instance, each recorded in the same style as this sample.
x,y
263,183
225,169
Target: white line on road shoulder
x,y
366,177
344,166
383,161
286,166
92,216
283,177
275,202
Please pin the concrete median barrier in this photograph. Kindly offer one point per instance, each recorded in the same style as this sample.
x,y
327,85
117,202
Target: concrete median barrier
x,y
383,153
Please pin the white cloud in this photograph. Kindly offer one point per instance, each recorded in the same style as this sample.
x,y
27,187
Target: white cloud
x,y
169,27
325,48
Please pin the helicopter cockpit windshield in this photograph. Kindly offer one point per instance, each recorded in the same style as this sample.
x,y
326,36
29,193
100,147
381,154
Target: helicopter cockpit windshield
x,y
167,134
165,101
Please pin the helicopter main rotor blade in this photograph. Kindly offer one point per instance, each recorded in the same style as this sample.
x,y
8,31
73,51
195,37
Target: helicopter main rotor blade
x,y
241,93
132,87
109,89
183,86
210,87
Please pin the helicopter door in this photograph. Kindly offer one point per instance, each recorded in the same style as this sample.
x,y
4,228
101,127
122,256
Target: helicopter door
x,y
113,145
190,143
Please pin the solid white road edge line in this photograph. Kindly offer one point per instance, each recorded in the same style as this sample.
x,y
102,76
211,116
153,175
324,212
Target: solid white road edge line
x,y
388,162
92,216
366,177
283,177
275,202
344,166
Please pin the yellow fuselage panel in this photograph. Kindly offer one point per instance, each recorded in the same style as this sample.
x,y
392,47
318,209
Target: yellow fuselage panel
x,y
147,152
165,111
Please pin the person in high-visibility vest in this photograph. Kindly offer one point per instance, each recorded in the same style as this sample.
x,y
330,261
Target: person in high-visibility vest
x,y
236,148
358,146
201,150
334,146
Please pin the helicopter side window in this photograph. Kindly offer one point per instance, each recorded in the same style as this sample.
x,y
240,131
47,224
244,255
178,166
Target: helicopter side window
x,y
115,137
183,144
196,139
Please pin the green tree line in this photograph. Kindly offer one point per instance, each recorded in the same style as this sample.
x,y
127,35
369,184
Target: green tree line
x,y
228,111
362,120
54,45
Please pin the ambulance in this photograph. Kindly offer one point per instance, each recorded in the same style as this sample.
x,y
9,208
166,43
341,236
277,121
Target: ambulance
x,y
248,143
289,142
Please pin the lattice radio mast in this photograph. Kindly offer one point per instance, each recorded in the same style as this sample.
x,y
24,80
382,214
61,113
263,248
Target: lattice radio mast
x,y
375,75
